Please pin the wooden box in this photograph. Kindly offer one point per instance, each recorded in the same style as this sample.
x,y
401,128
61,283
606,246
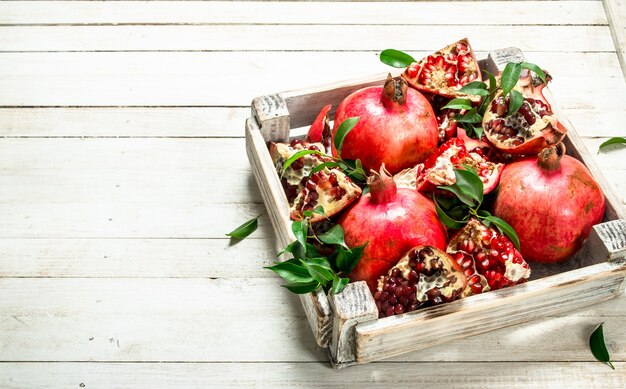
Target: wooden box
x,y
348,325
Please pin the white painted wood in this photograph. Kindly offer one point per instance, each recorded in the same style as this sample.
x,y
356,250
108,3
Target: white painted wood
x,y
520,375
300,37
169,12
616,15
581,80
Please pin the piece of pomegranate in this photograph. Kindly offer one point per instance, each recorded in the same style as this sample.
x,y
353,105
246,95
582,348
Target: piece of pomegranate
x,y
320,129
438,169
396,126
423,277
551,201
330,188
488,259
390,220
447,125
445,71
532,128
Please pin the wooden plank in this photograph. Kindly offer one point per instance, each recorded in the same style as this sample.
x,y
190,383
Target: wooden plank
x,y
582,80
489,12
300,37
197,319
616,15
203,122
435,375
138,258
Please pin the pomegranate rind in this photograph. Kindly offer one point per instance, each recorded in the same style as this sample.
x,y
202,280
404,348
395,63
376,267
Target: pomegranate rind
x,y
547,130
424,276
465,72
500,272
320,128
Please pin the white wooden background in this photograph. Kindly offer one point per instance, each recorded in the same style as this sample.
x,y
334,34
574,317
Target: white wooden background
x,y
122,165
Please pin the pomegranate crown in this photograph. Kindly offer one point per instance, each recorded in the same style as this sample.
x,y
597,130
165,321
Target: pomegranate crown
x,y
394,91
382,186
550,157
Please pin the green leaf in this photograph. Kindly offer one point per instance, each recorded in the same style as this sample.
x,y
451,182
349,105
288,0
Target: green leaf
x,y
353,169
516,102
395,58
479,132
339,284
294,248
245,229
470,116
458,103
319,261
311,252
297,156
536,69
493,83
333,236
598,347
344,128
348,259
478,88
470,184
291,272
509,77
302,288
504,228
319,210
458,192
324,165
300,230
320,273
612,141
447,220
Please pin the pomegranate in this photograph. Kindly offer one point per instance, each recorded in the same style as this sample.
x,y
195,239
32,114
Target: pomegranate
x,y
447,125
532,128
320,129
551,201
392,220
330,188
445,71
424,276
396,126
488,259
438,169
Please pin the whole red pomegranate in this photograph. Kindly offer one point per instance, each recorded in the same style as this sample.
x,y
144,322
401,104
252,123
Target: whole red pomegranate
x,y
551,201
391,221
397,126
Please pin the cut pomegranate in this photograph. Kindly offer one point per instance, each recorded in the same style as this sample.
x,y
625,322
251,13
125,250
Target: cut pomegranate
x,y
439,168
531,129
447,125
330,188
424,276
320,129
445,71
488,259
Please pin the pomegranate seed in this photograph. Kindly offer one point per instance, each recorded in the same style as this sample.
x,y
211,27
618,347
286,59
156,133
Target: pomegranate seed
x,y
389,311
392,299
384,296
398,309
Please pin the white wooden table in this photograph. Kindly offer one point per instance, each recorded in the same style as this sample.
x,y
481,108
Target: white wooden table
x,y
122,165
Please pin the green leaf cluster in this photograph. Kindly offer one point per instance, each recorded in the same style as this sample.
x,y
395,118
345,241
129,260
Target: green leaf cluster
x,y
468,198
308,270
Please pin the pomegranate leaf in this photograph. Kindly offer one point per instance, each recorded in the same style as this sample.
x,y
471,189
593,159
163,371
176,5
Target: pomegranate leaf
x,y
509,77
348,259
479,132
324,165
536,69
353,169
291,272
344,128
470,116
458,103
300,230
458,192
598,347
319,273
302,288
321,262
475,88
493,83
297,156
516,102
612,141
470,184
333,236
339,284
447,220
245,229
395,58
504,228
294,248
